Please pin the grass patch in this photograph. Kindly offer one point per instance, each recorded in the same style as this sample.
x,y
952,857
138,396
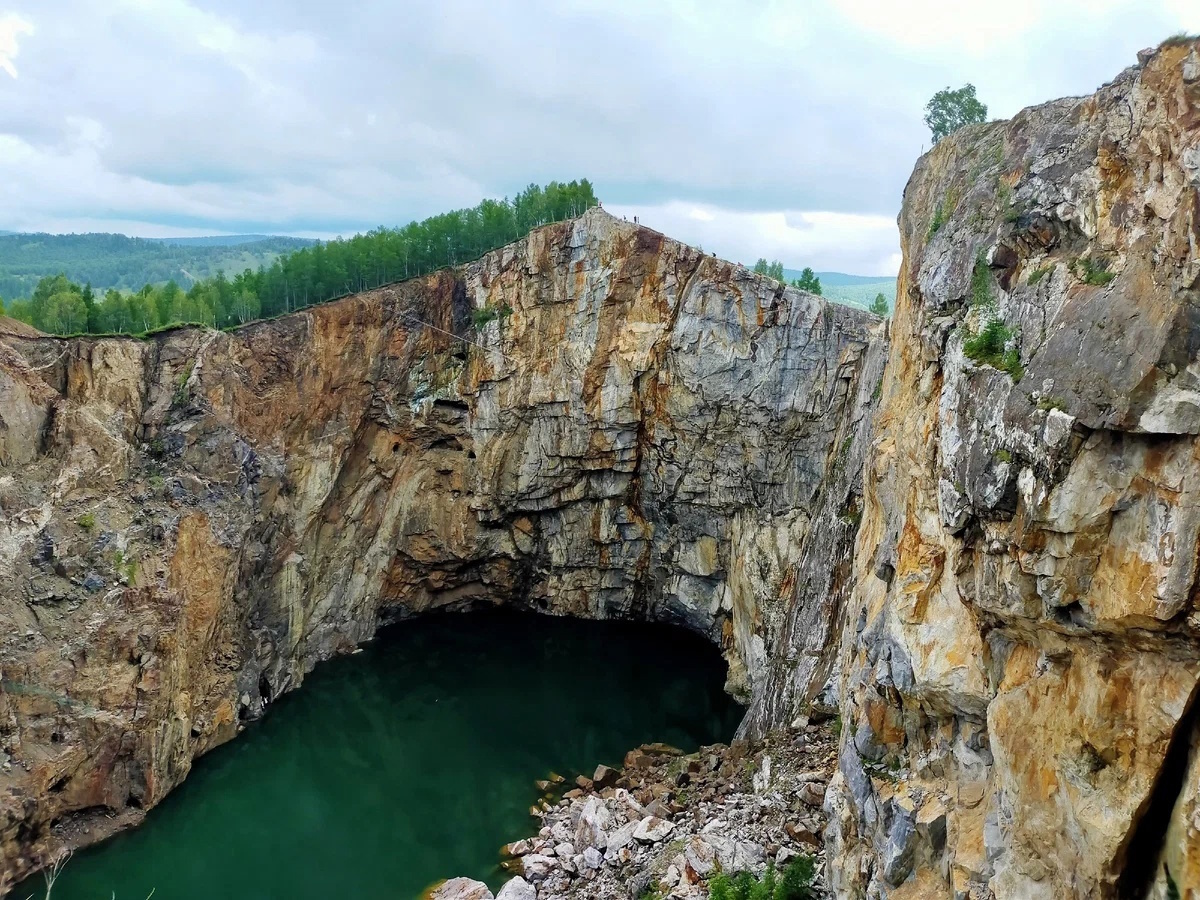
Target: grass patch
x,y
1038,274
935,224
1002,456
126,566
1090,270
793,883
87,521
1179,39
1004,194
485,314
1048,403
981,284
988,347
181,391
1172,887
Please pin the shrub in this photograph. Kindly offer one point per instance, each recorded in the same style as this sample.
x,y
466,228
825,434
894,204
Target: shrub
x,y
981,284
485,314
987,347
1180,38
938,220
1039,273
87,521
1092,271
794,884
1048,403
181,390
797,879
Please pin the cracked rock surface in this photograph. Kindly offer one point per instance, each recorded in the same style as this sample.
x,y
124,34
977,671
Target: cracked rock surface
x,y
192,522
1021,653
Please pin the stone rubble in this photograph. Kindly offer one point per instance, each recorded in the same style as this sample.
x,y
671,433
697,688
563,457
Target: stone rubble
x,y
672,820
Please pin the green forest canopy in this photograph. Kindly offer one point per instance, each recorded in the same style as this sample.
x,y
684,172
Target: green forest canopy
x,y
116,261
306,276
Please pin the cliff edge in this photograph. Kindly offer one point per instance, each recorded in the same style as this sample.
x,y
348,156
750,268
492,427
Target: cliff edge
x,y
1020,657
594,421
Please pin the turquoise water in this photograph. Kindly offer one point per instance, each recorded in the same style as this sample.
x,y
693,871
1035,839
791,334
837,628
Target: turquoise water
x,y
412,761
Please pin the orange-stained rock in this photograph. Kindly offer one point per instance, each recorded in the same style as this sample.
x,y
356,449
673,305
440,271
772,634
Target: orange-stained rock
x,y
1023,639
652,433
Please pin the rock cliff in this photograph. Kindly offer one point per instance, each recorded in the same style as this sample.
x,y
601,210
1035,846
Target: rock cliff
x,y
1020,656
1000,578
593,421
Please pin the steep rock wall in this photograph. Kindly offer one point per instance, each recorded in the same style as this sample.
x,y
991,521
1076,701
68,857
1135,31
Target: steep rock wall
x,y
190,523
1020,658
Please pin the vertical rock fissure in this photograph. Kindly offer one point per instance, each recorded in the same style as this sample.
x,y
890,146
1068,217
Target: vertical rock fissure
x,y
1149,833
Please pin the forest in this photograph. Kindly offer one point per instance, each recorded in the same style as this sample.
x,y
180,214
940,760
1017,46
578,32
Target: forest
x,y
125,263
323,271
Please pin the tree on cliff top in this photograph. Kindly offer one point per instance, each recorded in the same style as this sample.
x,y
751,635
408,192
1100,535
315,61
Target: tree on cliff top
x,y
808,281
770,269
879,305
950,110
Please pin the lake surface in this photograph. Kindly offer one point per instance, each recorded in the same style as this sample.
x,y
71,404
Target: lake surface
x,y
411,761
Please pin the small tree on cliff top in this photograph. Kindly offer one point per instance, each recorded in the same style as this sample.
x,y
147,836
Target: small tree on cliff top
x,y
950,110
808,281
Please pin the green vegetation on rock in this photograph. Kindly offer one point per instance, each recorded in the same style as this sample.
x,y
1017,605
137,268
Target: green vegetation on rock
x,y
307,276
1179,39
949,110
770,269
807,279
1093,271
990,345
794,883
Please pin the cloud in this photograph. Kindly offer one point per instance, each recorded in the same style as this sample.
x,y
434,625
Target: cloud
x,y
12,26
827,241
796,122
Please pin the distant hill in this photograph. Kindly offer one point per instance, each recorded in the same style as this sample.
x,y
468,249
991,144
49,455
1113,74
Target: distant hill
x,y
856,290
116,261
227,240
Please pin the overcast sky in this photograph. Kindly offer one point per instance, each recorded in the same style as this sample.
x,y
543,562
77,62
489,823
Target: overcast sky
x,y
753,128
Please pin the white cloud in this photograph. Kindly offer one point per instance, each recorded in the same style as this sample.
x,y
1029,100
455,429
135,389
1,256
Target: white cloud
x,y
12,26
826,241
724,122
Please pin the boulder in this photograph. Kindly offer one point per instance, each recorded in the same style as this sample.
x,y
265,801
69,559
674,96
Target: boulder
x,y
594,822
517,889
461,889
605,777
537,867
652,829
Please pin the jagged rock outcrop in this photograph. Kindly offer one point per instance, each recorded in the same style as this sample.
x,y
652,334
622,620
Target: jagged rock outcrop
x,y
635,429
1020,659
191,522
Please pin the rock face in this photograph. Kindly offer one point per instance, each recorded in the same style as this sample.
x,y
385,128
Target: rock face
x,y
191,522
638,430
1020,658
